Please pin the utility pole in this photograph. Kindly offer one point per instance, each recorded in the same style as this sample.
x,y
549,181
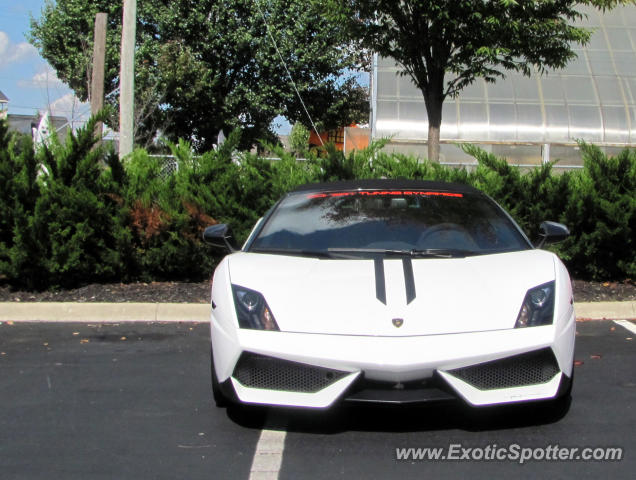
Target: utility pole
x,y
97,77
127,78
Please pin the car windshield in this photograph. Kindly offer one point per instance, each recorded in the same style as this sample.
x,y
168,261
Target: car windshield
x,y
368,222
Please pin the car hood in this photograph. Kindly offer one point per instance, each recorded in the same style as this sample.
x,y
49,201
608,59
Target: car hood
x,y
344,296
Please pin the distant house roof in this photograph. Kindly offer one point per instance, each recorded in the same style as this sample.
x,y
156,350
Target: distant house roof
x,y
3,98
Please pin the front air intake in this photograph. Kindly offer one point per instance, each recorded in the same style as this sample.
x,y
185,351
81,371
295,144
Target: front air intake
x,y
531,368
259,371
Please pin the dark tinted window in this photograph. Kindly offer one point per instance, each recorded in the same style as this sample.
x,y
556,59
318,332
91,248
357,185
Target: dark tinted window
x,y
398,220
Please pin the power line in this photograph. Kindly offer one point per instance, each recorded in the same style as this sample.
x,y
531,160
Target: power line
x,y
287,70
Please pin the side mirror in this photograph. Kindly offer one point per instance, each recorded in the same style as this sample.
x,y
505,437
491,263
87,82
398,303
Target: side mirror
x,y
220,236
552,232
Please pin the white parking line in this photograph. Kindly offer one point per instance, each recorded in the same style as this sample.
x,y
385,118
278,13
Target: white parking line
x,y
268,456
627,324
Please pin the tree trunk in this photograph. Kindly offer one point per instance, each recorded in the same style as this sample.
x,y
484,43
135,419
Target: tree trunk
x,y
434,99
433,142
434,111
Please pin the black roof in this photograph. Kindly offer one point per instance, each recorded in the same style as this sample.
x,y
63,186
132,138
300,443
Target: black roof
x,y
385,184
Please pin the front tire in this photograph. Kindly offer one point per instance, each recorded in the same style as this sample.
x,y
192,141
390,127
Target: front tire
x,y
220,400
560,406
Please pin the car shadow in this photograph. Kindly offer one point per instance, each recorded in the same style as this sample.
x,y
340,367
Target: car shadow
x,y
400,419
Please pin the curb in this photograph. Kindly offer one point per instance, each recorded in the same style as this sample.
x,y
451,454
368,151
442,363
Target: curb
x,y
605,310
200,312
103,312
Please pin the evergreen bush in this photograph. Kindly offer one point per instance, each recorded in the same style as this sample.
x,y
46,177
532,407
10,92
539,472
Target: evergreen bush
x,y
73,213
601,212
77,219
19,193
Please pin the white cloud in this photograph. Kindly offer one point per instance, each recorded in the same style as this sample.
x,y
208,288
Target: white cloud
x,y
45,78
14,52
70,107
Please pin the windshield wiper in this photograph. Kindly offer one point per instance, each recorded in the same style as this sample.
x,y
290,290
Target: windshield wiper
x,y
424,253
301,252
442,253
357,252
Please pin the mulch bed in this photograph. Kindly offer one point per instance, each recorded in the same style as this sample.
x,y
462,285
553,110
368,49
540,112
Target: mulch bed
x,y
164,292
184,292
604,291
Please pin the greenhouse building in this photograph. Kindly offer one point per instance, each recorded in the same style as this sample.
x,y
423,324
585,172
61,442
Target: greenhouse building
x,y
525,119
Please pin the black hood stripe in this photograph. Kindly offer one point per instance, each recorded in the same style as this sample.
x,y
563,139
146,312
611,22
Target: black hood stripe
x,y
409,281
380,287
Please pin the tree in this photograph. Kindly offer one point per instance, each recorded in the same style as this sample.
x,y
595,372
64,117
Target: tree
x,y
203,66
299,138
444,45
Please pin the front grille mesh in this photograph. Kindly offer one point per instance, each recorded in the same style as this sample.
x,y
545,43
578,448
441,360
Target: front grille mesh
x,y
526,369
258,371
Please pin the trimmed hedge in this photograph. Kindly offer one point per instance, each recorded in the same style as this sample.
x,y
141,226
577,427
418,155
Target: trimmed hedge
x,y
85,217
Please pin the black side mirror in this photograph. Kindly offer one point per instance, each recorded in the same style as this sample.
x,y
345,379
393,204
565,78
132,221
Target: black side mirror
x,y
220,236
552,232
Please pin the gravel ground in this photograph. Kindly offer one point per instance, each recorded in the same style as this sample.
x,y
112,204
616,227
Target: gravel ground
x,y
182,292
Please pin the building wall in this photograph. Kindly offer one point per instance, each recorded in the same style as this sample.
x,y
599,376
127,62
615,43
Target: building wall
x,y
22,124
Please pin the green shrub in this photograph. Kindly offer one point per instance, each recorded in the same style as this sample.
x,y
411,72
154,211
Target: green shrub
x,y
597,203
19,192
65,222
288,172
601,213
529,197
72,213
168,212
165,229
227,187
77,218
332,164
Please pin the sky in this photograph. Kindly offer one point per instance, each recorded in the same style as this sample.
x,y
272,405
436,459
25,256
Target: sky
x,y
26,79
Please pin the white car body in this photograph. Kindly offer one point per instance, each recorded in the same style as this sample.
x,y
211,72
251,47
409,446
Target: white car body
x,y
430,336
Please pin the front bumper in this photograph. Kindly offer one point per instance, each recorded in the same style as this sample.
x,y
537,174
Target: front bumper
x,y
401,369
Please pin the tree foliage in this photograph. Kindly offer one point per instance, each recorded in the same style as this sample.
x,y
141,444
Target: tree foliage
x,y
443,46
207,65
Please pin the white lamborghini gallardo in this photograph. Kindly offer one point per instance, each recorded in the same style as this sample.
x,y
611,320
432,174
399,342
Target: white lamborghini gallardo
x,y
390,291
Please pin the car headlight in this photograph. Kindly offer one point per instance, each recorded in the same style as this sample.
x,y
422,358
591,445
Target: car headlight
x,y
538,307
252,310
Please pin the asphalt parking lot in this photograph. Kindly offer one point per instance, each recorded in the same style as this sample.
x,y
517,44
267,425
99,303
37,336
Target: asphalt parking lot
x,y
89,401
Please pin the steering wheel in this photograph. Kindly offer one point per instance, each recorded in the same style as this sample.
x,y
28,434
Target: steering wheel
x,y
446,228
